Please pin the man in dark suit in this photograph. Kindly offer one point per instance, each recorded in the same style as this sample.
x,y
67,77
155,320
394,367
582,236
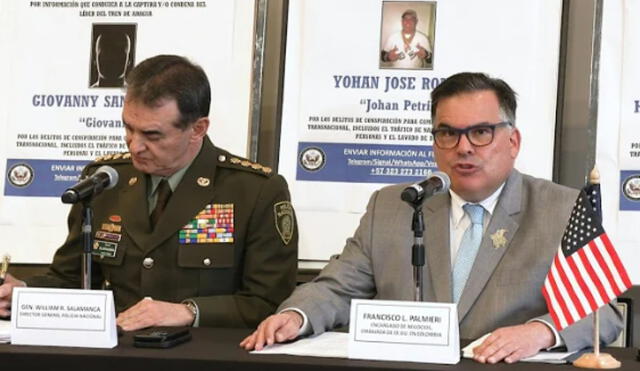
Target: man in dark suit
x,y
496,281
191,234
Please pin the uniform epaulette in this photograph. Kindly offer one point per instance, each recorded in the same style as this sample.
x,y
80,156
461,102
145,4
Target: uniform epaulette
x,y
113,158
231,161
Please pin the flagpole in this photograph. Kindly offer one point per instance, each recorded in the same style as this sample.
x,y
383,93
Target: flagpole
x,y
594,178
596,359
596,332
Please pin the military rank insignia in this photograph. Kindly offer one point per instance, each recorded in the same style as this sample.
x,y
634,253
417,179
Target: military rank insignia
x,y
284,220
214,224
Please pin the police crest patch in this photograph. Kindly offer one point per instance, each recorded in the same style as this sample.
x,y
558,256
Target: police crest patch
x,y
284,220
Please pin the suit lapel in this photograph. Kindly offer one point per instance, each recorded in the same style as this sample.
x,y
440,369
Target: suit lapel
x,y
437,246
136,218
192,194
502,224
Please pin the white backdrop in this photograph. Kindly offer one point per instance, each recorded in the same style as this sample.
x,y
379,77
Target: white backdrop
x,y
618,144
46,61
328,41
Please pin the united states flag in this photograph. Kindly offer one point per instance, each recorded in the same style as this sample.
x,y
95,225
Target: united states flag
x,y
586,273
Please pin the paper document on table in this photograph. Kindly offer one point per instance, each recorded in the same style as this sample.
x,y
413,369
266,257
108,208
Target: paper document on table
x,y
5,331
541,357
328,344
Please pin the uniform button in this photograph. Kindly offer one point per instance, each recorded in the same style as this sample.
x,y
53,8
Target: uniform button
x,y
222,158
206,262
147,263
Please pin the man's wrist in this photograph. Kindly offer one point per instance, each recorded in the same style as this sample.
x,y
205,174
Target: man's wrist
x,y
193,309
553,340
305,326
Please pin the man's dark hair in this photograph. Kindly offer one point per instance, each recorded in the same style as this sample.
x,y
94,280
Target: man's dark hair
x,y
171,77
467,82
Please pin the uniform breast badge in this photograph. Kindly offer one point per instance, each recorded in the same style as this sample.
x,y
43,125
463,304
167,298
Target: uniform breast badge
x,y
499,239
203,182
104,249
284,220
107,238
213,224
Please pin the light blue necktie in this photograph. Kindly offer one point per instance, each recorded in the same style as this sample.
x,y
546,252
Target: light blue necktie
x,y
468,249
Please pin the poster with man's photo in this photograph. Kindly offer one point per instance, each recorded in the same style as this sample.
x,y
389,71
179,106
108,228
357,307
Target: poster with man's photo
x,y
407,34
65,63
357,107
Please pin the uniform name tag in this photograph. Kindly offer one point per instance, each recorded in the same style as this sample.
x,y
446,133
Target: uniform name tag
x,y
404,331
63,317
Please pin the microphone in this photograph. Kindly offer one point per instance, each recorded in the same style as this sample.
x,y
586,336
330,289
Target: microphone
x,y
437,182
105,177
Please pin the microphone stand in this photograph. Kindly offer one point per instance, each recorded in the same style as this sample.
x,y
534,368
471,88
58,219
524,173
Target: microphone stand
x,y
415,195
417,250
87,242
105,177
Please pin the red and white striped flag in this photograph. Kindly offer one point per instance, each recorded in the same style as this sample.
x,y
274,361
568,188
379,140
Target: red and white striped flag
x,y
586,273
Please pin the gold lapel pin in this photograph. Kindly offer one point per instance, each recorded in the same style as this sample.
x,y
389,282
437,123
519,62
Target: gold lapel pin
x,y
133,180
498,238
203,182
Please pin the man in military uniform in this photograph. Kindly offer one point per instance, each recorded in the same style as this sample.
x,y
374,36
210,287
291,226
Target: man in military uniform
x,y
190,235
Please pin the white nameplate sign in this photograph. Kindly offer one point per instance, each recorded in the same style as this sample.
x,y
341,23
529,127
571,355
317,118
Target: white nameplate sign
x,y
63,317
404,331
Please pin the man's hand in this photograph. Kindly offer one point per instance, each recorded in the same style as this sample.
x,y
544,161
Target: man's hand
x,y
147,313
6,290
422,52
275,329
513,343
393,55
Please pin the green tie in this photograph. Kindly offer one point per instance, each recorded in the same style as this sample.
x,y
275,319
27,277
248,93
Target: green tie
x,y
163,193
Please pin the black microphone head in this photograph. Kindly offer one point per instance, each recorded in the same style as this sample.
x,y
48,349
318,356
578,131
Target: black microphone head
x,y
112,173
436,182
70,196
409,194
105,177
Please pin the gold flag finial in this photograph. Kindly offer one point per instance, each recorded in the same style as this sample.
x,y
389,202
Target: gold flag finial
x,y
5,267
594,176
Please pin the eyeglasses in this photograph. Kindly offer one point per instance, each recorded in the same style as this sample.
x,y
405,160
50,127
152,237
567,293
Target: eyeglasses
x,y
479,135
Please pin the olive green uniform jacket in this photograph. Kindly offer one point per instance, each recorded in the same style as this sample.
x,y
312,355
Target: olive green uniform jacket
x,y
234,283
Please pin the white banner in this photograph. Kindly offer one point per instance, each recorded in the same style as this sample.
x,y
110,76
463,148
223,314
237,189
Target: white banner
x,y
62,96
353,120
618,140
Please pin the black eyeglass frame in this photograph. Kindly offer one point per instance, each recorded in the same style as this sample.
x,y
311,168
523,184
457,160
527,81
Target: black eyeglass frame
x,y
465,131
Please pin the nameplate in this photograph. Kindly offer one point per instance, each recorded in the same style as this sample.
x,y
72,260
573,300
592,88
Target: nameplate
x,y
63,317
404,331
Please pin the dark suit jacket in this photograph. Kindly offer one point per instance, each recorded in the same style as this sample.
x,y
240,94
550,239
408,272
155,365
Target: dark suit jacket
x,y
504,287
234,284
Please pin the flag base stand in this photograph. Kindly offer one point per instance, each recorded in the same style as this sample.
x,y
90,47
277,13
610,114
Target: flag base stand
x,y
592,360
